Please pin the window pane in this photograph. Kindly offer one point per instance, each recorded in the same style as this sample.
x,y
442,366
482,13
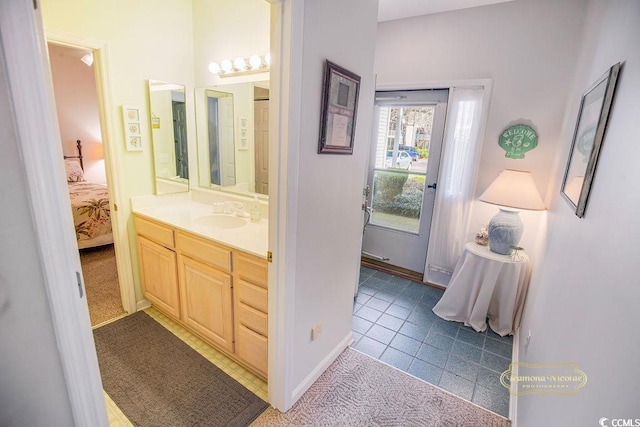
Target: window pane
x,y
397,200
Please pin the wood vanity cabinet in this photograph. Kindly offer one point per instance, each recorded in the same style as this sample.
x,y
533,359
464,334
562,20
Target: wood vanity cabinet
x,y
205,288
219,293
251,302
158,269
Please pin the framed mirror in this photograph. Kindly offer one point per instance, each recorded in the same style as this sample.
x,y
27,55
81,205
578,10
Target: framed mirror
x,y
587,140
168,115
232,127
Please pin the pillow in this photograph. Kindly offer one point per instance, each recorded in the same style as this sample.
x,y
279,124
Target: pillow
x,y
74,171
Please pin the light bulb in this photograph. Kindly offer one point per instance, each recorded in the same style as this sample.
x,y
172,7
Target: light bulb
x,y
226,66
240,64
214,68
255,61
87,59
267,58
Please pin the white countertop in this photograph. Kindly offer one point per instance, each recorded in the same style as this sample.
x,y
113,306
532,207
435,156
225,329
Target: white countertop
x,y
181,214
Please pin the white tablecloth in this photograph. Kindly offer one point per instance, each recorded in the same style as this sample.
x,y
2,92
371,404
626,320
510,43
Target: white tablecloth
x,y
486,285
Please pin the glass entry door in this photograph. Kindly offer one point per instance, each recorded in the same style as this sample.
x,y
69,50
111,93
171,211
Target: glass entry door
x,y
403,175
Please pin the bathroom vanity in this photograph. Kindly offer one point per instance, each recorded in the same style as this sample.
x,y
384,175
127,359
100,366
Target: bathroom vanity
x,y
208,272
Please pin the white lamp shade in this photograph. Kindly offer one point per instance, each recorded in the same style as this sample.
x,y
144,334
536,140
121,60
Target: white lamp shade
x,y
514,189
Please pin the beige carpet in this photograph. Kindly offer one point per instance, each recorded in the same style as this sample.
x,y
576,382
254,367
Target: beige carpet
x,y
101,283
358,390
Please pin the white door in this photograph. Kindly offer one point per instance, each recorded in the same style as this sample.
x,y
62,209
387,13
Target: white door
x,y
227,145
409,123
261,131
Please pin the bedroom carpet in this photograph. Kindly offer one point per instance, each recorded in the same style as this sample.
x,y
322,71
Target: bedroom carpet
x,y
358,390
101,283
158,380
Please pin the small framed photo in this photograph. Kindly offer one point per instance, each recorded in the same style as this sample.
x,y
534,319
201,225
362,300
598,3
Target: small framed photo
x,y
243,133
131,125
587,139
339,108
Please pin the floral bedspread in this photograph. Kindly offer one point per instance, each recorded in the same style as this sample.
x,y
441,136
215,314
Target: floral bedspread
x,y
90,206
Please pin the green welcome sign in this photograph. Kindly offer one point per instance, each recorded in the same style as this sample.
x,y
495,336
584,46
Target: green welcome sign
x,y
517,140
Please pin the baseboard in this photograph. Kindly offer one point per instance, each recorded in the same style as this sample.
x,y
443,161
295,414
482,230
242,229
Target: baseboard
x,y
319,370
142,304
513,398
414,276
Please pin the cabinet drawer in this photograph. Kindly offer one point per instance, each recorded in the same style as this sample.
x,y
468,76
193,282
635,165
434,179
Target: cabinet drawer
x,y
252,348
203,250
155,232
253,296
252,269
253,319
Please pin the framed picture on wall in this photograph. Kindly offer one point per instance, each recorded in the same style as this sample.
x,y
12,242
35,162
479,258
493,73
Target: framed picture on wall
x,y
338,112
587,139
132,132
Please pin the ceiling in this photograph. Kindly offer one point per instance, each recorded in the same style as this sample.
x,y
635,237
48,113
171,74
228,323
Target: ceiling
x,y
398,9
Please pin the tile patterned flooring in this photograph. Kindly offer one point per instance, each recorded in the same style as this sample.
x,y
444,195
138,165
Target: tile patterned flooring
x,y
393,321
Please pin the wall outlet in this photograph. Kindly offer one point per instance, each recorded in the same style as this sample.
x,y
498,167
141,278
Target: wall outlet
x,y
316,331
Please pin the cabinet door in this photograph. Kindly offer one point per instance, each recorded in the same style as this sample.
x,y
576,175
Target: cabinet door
x,y
206,301
252,348
159,276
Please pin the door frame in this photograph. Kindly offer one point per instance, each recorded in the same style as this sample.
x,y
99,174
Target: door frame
x,y
441,112
100,52
31,89
445,84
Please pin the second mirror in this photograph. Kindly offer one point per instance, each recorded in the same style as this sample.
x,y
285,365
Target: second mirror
x,y
232,137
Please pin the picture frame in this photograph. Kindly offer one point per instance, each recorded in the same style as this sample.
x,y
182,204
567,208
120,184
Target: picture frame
x,y
340,93
243,133
131,124
588,136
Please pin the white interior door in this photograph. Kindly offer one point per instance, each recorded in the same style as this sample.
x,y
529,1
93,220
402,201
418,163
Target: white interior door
x,y
402,193
227,144
261,130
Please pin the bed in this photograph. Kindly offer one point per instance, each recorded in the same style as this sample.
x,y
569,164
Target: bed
x,y
89,205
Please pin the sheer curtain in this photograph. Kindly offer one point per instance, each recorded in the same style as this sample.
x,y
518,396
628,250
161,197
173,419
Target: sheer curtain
x,y
456,185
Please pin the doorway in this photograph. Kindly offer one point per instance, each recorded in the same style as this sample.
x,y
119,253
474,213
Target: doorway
x,y
180,134
261,138
79,122
403,176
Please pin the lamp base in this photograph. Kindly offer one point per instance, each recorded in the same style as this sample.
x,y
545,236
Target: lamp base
x,y
505,231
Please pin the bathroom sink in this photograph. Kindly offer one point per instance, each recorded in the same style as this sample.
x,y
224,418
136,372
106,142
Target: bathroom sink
x,y
220,221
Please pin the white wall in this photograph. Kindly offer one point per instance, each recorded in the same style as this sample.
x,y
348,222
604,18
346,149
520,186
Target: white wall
x,y
145,39
33,390
224,29
327,239
583,307
77,104
527,47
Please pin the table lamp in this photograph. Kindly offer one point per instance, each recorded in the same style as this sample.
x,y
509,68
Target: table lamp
x,y
511,189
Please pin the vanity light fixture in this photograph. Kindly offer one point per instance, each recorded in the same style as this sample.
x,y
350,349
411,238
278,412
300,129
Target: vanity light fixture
x,y
226,66
214,68
240,66
255,61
